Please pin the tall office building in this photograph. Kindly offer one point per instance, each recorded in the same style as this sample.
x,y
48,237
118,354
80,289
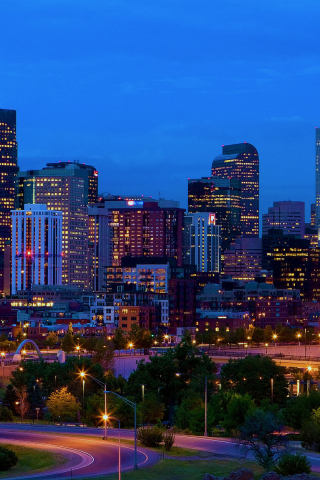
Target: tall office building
x,y
67,187
8,173
244,259
288,216
318,180
241,161
221,196
36,247
139,228
202,242
98,237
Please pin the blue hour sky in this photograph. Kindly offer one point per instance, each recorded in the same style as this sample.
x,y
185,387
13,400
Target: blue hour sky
x,y
149,91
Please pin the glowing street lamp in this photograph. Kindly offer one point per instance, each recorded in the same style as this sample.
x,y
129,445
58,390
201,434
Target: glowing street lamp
x,y
106,418
134,406
78,350
82,375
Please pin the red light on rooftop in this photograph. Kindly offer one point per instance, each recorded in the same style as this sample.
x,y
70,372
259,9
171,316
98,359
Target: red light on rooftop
x,y
29,253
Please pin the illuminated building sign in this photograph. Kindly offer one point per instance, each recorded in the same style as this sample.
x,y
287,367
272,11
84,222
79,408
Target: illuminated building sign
x,y
212,219
95,173
132,203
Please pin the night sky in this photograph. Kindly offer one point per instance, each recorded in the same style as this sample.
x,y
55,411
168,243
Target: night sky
x,y
149,91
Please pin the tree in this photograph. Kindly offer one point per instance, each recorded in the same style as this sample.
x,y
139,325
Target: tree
x,y
261,434
268,334
10,398
67,343
237,410
119,341
51,340
62,404
298,410
159,375
151,409
103,353
253,375
22,404
258,335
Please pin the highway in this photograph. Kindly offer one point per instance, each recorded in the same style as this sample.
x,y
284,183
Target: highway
x,y
90,455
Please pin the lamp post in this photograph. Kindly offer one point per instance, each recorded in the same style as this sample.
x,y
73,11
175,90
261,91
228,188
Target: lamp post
x,y
83,374
134,406
205,399
78,350
106,418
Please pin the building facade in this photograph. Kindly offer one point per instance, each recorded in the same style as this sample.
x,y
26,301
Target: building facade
x,y
241,161
202,242
138,228
221,196
8,172
36,247
318,179
287,215
244,259
64,188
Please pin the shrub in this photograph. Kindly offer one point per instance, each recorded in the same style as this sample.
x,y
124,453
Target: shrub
x,y
6,415
150,437
310,436
8,459
292,463
168,440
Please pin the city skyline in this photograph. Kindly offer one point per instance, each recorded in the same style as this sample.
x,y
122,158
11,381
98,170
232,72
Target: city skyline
x,y
148,94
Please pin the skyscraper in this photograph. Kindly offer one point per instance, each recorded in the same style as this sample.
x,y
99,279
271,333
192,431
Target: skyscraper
x,y
64,186
138,228
202,238
241,161
222,197
8,173
318,179
36,247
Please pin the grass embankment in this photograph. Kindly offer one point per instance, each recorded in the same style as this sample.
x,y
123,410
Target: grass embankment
x,y
186,470
31,460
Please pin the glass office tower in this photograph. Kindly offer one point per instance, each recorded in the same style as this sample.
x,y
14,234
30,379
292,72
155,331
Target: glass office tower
x,y
241,161
8,173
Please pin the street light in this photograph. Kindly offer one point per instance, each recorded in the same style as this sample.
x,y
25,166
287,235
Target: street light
x,y
205,399
106,418
83,374
134,406
78,350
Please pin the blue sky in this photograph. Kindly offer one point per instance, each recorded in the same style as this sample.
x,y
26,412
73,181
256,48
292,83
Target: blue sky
x,y
149,91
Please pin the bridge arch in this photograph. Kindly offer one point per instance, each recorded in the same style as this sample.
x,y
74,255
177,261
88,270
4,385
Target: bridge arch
x,y
22,344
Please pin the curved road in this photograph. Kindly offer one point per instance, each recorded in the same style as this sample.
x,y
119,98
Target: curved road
x,y
85,456
105,456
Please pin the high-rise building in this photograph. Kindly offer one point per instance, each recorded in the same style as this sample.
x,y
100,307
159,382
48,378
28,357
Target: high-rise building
x,y
244,259
222,197
241,161
312,215
8,173
202,242
291,266
36,247
318,179
98,238
288,216
64,186
139,228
